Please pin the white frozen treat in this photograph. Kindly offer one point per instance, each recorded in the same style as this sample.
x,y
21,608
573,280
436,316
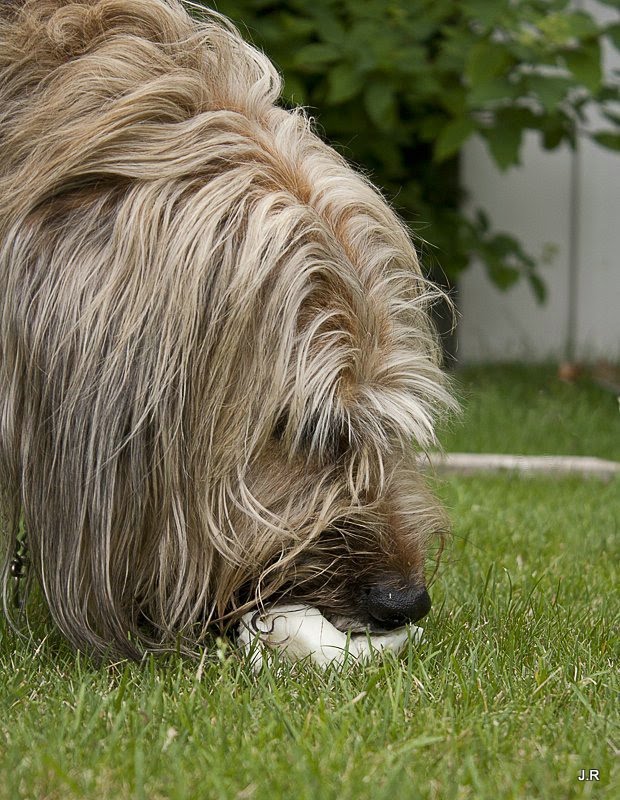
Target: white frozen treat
x,y
303,632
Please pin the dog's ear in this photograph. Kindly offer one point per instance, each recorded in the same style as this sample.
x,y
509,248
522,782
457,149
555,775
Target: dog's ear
x,y
365,368
344,305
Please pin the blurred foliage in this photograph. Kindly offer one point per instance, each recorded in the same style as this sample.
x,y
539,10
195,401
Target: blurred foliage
x,y
401,85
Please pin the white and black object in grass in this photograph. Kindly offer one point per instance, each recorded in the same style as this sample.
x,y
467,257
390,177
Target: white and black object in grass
x,y
301,632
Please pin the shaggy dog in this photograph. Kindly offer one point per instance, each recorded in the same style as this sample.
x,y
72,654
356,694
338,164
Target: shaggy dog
x,y
215,351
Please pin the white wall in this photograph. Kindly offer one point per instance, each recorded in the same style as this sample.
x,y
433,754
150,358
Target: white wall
x,y
538,203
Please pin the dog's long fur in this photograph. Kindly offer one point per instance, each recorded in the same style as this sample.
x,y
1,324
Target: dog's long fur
x,y
215,353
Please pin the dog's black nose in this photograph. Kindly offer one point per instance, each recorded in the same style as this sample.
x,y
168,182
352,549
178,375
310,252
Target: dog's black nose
x,y
392,608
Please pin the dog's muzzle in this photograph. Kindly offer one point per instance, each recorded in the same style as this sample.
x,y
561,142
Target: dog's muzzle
x,y
392,608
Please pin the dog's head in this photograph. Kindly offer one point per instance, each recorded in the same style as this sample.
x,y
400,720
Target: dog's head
x,y
341,390
215,335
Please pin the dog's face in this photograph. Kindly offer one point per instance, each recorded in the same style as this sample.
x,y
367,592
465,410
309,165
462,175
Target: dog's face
x,y
330,506
363,560
335,508
215,354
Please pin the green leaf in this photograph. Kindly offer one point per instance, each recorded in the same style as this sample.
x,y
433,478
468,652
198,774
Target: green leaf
x,y
485,12
501,274
613,31
316,55
538,287
294,25
581,25
564,28
327,21
482,218
549,89
609,93
486,60
553,133
343,84
608,139
612,116
452,99
585,64
504,144
452,137
491,91
504,245
429,126
380,102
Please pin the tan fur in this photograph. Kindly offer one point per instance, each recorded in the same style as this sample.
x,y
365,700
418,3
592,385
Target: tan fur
x,y
215,355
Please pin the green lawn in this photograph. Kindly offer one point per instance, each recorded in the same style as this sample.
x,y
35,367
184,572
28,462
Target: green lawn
x,y
512,693
516,409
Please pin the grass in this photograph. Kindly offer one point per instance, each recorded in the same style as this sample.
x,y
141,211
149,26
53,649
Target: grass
x,y
512,693
518,409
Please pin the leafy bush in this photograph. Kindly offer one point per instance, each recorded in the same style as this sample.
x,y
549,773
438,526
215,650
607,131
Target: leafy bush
x,y
402,84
